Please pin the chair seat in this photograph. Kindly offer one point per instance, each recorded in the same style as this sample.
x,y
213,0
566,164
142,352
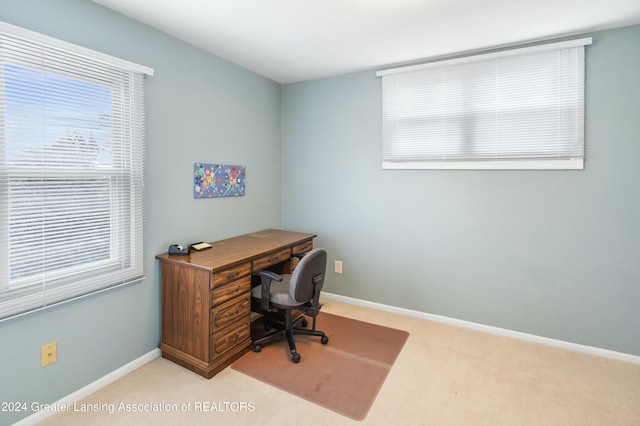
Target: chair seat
x,y
279,293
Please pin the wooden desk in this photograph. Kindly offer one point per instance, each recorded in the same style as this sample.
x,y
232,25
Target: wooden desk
x,y
206,296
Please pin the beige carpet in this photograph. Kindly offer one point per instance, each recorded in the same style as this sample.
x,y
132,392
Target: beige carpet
x,y
344,375
444,375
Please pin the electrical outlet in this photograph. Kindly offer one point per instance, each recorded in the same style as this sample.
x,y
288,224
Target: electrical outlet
x,y
48,354
338,266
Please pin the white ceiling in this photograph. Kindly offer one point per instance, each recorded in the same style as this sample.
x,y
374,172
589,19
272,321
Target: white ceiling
x,y
295,40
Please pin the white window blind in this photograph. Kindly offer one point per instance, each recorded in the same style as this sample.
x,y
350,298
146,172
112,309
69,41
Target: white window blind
x,y
521,108
71,171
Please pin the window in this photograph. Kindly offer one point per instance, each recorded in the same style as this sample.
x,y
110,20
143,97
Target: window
x,y
516,109
71,171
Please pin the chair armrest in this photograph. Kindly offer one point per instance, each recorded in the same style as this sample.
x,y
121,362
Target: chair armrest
x,y
264,274
265,279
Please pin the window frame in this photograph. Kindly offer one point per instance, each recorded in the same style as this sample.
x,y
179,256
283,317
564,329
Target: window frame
x,y
125,215
394,106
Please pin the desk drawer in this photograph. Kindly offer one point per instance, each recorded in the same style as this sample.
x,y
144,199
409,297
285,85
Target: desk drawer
x,y
271,259
303,248
229,291
231,274
230,311
226,339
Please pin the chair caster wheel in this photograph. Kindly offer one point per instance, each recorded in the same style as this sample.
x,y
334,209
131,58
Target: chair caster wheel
x,y
304,322
324,340
257,348
295,357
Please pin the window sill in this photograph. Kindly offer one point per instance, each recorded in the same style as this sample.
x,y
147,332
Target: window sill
x,y
566,164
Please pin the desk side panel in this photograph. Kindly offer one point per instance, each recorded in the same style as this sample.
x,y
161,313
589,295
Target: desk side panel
x,y
185,306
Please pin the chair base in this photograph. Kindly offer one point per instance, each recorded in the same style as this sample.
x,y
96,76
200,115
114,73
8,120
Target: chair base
x,y
288,330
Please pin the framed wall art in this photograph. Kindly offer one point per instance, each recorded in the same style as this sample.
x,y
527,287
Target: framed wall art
x,y
218,180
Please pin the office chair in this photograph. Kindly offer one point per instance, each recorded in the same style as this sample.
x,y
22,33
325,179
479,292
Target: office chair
x,y
299,291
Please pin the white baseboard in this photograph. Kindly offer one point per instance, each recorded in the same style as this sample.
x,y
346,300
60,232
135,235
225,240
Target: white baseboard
x,y
93,387
576,347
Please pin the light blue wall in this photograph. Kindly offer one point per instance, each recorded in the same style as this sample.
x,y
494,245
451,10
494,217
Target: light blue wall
x,y
548,253
552,253
199,109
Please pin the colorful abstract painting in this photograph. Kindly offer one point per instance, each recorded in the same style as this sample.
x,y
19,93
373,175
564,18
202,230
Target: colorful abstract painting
x,y
218,180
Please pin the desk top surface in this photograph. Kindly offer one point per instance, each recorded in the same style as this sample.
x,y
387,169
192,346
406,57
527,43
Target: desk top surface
x,y
238,249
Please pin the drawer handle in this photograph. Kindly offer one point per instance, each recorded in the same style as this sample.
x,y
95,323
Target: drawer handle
x,y
231,275
229,292
233,314
232,339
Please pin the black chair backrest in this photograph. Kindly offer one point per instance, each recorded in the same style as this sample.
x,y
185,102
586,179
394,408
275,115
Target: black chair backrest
x,y
308,276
